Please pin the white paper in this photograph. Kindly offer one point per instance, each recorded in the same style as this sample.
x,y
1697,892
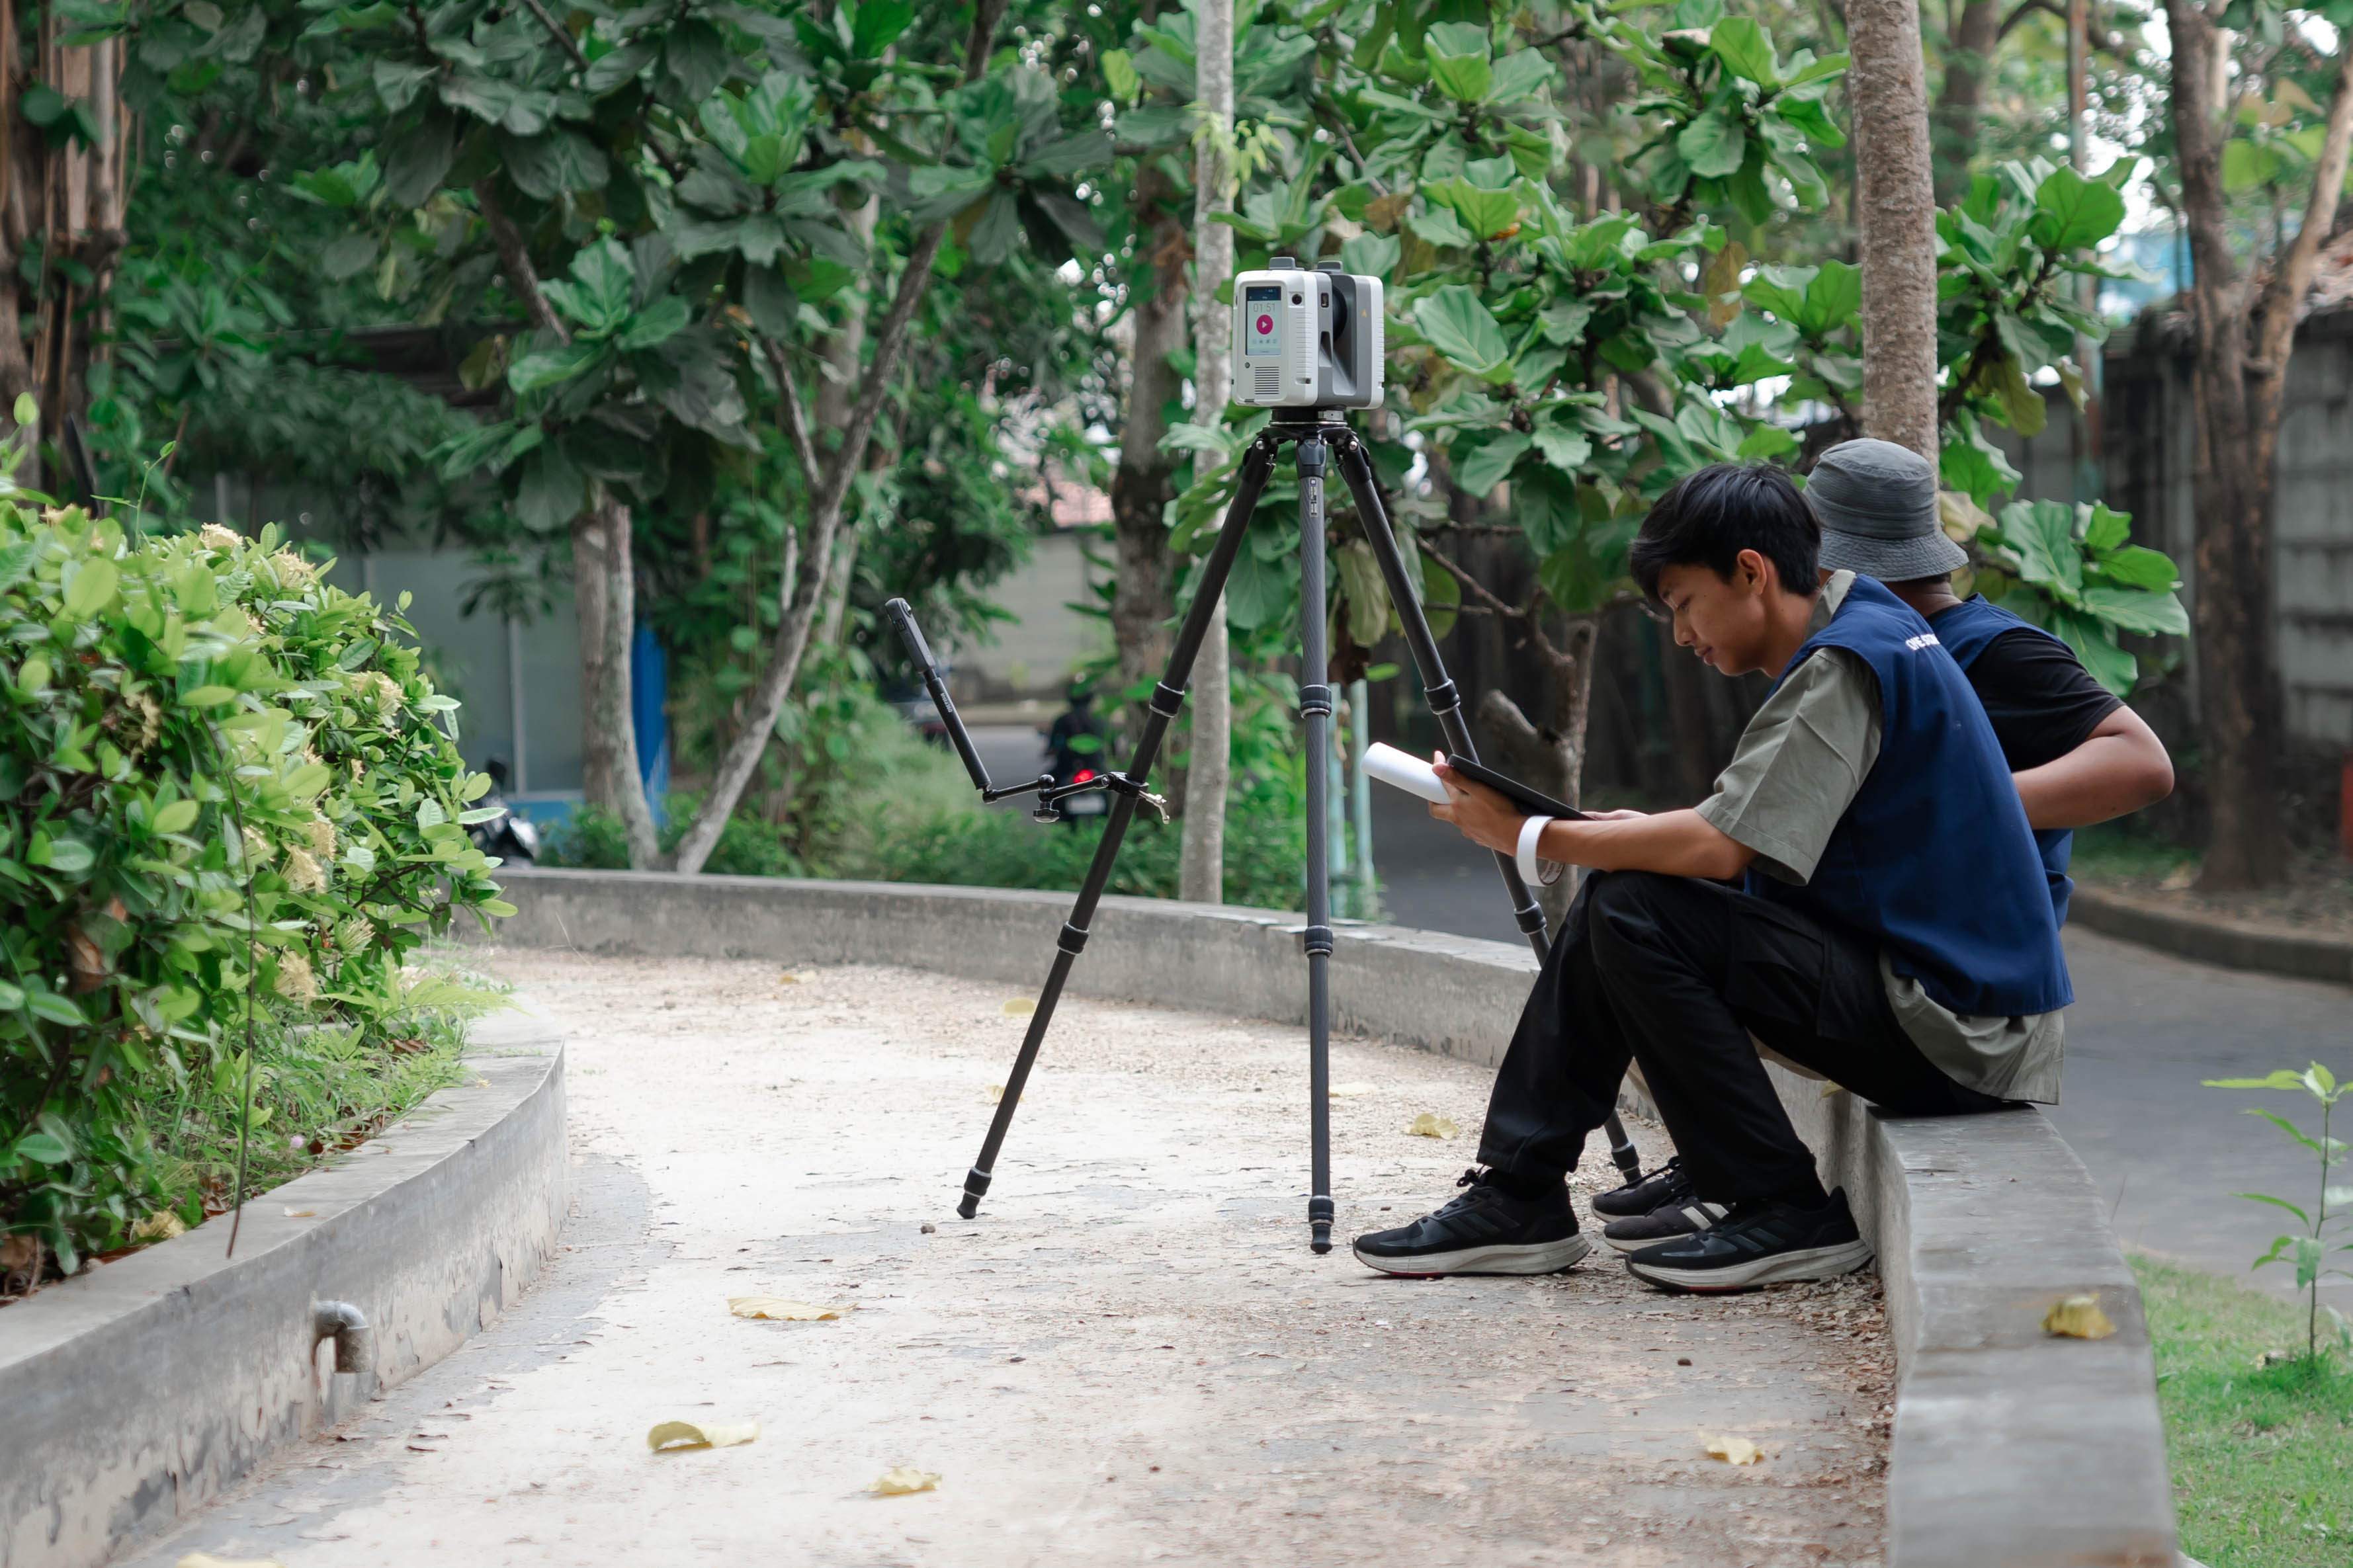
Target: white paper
x,y
1402,770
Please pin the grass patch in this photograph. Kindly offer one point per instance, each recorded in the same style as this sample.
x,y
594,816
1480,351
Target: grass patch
x,y
2263,1456
2121,849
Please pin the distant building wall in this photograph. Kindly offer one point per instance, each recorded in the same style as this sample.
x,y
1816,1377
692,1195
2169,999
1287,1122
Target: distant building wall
x,y
1033,654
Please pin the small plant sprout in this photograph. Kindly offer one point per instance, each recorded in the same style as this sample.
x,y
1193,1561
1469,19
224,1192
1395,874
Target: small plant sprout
x,y
2309,1250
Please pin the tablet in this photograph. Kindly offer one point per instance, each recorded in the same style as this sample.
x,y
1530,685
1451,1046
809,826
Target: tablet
x,y
1536,802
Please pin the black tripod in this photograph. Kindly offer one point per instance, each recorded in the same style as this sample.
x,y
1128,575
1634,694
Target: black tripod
x,y
1317,433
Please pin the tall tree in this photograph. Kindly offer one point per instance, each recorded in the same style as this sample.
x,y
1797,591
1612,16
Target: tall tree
x,y
1896,223
1969,59
1201,861
1142,596
2244,315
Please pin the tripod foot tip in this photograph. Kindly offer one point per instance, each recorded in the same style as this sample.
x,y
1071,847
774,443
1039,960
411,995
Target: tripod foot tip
x,y
1320,1242
969,1207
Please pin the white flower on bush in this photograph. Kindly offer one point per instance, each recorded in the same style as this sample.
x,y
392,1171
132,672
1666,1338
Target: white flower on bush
x,y
380,688
303,873
295,982
322,835
258,851
213,536
293,572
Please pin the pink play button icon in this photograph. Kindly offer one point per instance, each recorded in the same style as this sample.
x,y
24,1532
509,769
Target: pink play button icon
x,y
1266,323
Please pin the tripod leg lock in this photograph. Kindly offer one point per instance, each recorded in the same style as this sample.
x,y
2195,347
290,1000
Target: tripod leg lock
x,y
1314,700
1531,919
1166,700
1319,941
1444,698
1074,941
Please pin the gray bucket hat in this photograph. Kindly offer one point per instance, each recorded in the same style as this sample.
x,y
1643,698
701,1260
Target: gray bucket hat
x,y
1877,504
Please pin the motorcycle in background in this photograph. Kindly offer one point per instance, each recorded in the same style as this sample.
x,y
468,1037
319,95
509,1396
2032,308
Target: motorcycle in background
x,y
506,836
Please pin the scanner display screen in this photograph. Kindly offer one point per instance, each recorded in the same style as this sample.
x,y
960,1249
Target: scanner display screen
x,y
1262,309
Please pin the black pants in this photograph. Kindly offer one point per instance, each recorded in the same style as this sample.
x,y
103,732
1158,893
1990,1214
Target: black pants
x,y
1675,974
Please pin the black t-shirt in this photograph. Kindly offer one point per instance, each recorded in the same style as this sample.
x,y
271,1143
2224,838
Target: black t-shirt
x,y
2043,701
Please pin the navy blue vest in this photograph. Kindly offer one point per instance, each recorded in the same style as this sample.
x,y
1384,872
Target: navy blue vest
x,y
1965,629
1933,860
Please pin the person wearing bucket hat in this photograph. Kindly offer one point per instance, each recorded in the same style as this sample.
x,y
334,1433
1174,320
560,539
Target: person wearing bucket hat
x,y
2076,753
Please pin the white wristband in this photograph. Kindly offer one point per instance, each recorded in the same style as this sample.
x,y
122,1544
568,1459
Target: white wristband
x,y
1530,829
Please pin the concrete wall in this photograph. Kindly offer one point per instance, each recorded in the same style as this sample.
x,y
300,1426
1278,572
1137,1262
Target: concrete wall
x,y
1033,654
2009,1447
132,1395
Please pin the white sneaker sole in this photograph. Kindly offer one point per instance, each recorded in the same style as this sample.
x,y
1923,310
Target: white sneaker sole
x,y
1781,1269
1540,1258
1640,1242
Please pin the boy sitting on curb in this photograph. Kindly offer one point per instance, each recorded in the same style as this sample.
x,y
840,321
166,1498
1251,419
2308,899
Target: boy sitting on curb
x,y
1900,941
2077,754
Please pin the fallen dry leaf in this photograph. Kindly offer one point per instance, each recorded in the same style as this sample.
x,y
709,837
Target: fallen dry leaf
x,y
205,1559
1429,1124
1730,1450
1350,1090
779,1308
674,1435
161,1225
904,1480
995,1093
797,977
302,1214
1019,1007
2078,1317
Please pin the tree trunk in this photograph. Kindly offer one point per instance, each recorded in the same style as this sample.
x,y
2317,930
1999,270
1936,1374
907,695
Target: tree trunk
x,y
1896,221
1550,756
827,477
603,586
2243,340
1200,868
1966,65
1144,592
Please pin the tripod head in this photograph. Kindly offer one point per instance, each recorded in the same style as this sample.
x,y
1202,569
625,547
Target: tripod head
x,y
1049,792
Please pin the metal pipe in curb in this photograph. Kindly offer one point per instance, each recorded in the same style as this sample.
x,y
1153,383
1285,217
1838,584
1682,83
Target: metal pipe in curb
x,y
2009,1447
132,1395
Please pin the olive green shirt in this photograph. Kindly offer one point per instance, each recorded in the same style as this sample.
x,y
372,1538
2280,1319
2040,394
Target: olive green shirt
x,y
1798,767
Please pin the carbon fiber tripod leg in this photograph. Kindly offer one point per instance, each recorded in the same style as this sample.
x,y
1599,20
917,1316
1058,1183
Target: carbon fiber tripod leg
x,y
1168,697
1315,715
1446,706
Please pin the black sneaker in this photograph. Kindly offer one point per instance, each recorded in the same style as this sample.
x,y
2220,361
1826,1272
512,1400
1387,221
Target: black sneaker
x,y
1485,1231
1646,1192
1679,1216
1759,1243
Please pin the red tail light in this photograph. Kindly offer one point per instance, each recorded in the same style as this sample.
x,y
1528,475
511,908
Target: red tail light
x,y
1083,776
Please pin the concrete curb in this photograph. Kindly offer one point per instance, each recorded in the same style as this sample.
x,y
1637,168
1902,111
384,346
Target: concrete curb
x,y
2011,1448
2226,942
135,1393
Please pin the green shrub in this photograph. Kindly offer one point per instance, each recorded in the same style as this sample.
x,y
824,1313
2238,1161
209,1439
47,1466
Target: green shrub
x,y
224,785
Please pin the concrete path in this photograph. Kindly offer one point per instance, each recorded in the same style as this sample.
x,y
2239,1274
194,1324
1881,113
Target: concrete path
x,y
1131,1356
2144,1029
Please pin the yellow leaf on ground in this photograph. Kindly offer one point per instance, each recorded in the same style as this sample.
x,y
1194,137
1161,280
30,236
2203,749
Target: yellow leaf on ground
x,y
302,1214
904,1480
161,1225
702,1433
1429,1124
1730,1450
995,1093
779,1308
797,977
1350,1090
1019,1007
2078,1317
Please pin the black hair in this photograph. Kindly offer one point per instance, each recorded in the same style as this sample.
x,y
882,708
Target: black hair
x,y
1708,518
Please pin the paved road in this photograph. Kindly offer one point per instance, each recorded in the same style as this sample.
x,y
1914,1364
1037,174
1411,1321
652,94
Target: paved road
x,y
2145,1027
1129,1356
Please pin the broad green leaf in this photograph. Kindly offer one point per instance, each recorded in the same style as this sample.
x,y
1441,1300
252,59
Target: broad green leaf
x,y
1119,75
2042,534
1714,145
2284,1078
209,696
176,817
1486,213
2094,644
92,586
878,25
43,1147
1519,75
2108,529
1442,596
57,1009
2137,566
1480,463
1459,61
2137,610
2074,213
658,323
1371,255
1745,49
2022,407
1262,593
1765,441
1439,226
1567,450
533,372
1834,296
1544,501
2275,1203
1455,323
